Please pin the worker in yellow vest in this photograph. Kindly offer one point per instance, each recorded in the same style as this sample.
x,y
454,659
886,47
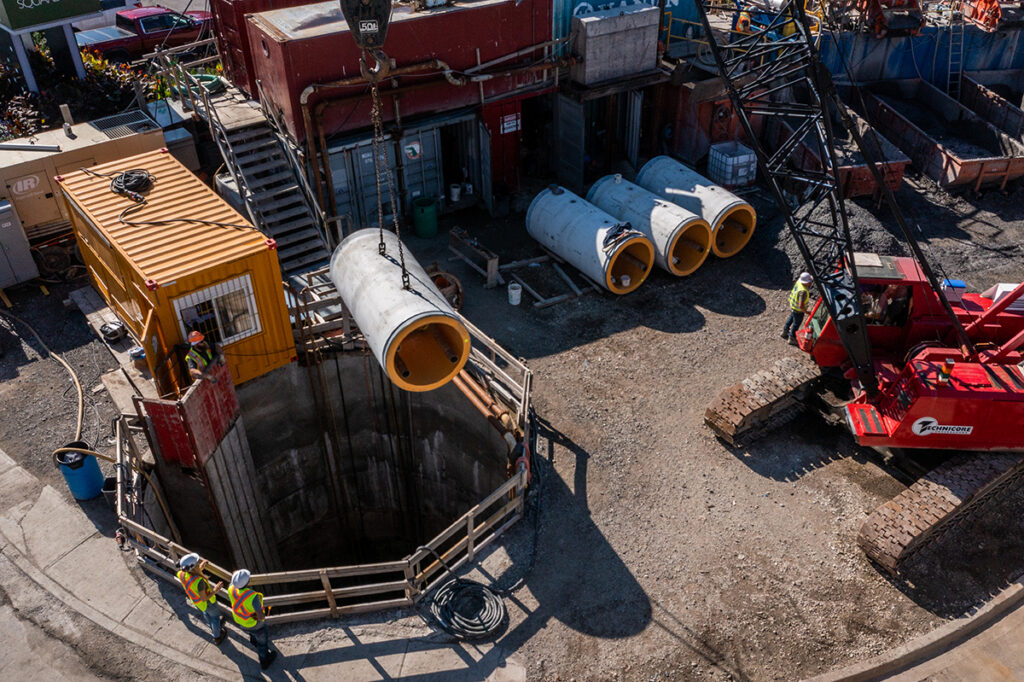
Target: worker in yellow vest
x,y
200,356
247,608
203,597
799,304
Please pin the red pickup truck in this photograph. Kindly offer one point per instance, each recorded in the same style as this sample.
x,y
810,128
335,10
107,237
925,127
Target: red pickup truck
x,y
142,30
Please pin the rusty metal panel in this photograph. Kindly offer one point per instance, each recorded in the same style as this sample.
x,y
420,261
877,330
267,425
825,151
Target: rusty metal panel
x,y
170,432
210,408
991,107
1001,161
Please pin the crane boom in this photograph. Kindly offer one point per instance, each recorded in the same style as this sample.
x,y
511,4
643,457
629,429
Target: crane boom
x,y
780,59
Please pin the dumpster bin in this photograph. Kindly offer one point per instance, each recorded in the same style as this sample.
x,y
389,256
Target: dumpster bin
x,y
82,472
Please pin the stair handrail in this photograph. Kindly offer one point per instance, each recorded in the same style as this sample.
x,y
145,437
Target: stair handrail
x,y
298,169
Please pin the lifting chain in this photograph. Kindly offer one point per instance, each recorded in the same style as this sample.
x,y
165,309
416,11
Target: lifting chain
x,y
380,160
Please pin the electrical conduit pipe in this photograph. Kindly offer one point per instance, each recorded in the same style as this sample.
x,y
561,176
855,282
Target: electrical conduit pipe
x,y
415,335
584,235
681,238
732,220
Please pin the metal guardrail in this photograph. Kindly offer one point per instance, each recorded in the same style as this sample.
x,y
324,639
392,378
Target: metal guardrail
x,y
315,593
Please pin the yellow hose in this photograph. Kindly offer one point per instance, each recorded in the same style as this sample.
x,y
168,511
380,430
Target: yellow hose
x,y
58,358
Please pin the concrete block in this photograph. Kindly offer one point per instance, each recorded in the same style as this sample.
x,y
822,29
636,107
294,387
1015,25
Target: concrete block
x,y
615,43
52,527
110,587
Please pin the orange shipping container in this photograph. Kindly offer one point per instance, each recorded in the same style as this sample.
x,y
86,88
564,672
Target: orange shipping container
x,y
164,276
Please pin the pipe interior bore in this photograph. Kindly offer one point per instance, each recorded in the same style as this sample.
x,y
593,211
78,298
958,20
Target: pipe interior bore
x,y
630,265
428,353
734,231
690,248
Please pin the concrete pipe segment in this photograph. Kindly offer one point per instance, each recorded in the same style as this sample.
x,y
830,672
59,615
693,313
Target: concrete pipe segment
x,y
414,334
732,220
681,238
609,253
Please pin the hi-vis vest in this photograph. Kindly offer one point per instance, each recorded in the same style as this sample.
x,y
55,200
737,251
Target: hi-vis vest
x,y
243,605
200,360
192,583
799,297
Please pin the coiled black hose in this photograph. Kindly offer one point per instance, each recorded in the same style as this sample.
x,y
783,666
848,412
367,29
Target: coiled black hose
x,y
464,608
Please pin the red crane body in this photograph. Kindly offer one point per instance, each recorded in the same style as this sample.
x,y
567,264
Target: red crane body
x,y
932,394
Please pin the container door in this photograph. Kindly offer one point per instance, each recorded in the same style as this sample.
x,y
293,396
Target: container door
x,y
345,189
421,165
484,144
634,108
366,181
569,133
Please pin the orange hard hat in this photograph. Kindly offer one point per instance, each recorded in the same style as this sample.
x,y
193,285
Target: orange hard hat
x,y
195,337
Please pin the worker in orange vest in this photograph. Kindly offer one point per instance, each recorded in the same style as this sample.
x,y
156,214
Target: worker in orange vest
x,y
203,597
247,609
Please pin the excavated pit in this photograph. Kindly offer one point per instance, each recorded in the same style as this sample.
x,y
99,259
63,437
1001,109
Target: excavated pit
x,y
374,472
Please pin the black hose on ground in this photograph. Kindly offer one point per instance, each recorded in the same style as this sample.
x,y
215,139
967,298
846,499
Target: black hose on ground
x,y
464,608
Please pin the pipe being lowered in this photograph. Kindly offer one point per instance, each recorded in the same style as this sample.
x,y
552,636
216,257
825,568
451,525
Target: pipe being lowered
x,y
681,238
607,251
732,220
415,335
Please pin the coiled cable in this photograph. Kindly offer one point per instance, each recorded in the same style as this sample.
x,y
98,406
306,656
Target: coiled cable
x,y
464,608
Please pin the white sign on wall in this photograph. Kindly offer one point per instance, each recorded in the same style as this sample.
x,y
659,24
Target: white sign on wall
x,y
510,123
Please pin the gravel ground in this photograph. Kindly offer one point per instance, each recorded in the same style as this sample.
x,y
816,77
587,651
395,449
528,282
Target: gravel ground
x,y
661,553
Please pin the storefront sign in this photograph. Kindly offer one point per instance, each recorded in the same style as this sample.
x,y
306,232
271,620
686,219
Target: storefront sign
x,y
18,14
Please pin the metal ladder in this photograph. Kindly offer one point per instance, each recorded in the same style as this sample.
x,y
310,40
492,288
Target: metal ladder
x,y
956,50
274,189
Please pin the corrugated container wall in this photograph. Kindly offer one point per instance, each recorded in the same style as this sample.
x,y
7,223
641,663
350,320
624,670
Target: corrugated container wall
x,y
297,47
233,39
164,276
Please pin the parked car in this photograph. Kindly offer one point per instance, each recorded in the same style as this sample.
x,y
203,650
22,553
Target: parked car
x,y
141,30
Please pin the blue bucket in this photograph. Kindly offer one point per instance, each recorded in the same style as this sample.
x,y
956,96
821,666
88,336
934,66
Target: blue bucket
x,y
81,471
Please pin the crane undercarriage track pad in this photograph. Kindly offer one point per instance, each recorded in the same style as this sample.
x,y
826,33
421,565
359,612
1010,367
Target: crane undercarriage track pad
x,y
762,402
940,500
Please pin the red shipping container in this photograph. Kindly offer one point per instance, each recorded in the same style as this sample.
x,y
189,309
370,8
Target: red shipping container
x,y
233,39
294,48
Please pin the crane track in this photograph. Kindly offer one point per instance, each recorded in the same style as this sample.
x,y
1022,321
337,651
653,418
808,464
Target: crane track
x,y
763,402
939,501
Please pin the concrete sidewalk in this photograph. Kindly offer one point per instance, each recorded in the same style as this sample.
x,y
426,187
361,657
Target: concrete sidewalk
x,y
52,546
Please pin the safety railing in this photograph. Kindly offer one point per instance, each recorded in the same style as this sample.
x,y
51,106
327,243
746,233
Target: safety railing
x,y
329,592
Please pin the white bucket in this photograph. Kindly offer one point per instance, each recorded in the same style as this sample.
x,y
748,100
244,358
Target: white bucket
x,y
515,293
454,192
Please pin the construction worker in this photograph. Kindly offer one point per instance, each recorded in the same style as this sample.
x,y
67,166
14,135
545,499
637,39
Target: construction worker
x,y
743,23
247,608
799,304
199,592
200,355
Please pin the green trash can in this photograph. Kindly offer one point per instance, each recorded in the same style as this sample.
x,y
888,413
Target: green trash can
x,y
424,216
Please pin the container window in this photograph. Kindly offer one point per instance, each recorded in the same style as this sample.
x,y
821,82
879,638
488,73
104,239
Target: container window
x,y
225,312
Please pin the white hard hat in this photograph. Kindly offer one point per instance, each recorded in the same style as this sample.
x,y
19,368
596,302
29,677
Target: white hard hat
x,y
188,561
240,578
805,278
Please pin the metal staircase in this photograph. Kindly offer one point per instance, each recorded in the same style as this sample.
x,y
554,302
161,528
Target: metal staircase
x,y
956,51
269,176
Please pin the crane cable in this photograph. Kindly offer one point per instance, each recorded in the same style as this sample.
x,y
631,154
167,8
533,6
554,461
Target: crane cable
x,y
380,159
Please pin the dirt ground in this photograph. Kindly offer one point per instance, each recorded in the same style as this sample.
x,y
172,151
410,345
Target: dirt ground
x,y
660,552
